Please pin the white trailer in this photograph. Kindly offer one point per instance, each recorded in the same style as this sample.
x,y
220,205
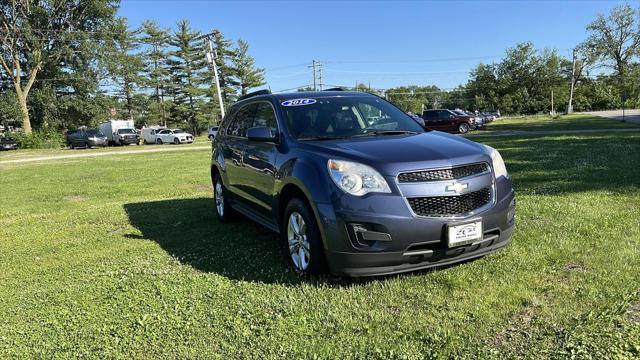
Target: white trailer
x,y
149,134
120,132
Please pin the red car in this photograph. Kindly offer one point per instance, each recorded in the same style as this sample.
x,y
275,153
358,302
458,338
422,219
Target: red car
x,y
447,120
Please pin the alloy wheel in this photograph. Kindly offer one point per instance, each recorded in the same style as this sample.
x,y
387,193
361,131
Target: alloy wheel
x,y
219,199
299,247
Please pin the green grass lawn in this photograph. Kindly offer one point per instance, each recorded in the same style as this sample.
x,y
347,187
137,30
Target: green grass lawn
x,y
564,122
27,153
121,257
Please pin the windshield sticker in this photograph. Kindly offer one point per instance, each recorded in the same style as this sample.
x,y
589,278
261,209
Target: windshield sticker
x,y
298,102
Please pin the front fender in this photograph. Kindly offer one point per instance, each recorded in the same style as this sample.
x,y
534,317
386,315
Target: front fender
x,y
308,176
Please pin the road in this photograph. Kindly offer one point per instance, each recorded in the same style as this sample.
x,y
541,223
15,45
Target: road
x,y
102,153
630,115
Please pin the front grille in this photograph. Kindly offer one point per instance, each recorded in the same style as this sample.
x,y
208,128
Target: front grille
x,y
450,205
443,174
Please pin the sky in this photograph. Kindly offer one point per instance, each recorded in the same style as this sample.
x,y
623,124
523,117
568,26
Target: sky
x,y
384,44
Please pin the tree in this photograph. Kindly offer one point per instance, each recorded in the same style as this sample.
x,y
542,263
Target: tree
x,y
584,58
45,35
189,67
125,64
156,71
616,39
226,74
244,68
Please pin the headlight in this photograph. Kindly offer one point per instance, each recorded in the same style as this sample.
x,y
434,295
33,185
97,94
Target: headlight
x,y
499,169
356,179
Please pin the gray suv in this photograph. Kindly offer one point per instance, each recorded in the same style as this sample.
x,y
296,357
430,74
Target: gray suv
x,y
355,186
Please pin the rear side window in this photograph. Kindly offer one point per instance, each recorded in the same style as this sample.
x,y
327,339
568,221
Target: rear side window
x,y
242,120
265,117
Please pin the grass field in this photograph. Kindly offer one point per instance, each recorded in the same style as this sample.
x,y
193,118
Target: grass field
x,y
26,153
121,256
564,122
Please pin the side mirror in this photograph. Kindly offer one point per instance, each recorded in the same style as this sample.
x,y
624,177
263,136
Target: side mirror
x,y
420,121
261,134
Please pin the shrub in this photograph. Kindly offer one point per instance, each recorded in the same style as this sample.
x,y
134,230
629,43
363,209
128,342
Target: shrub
x,y
41,139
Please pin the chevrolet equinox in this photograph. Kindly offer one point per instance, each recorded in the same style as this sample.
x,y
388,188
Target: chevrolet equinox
x,y
354,186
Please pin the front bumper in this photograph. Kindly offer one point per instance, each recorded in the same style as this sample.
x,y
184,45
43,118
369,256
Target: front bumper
x,y
129,141
97,142
414,242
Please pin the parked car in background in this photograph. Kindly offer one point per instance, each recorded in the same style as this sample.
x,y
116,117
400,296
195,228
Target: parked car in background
x,y
120,132
8,144
359,198
447,120
86,138
173,136
213,130
149,134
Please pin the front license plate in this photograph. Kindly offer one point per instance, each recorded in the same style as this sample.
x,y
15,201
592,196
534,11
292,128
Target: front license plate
x,y
464,234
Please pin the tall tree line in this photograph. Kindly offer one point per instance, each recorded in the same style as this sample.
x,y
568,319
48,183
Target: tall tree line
x,y
68,63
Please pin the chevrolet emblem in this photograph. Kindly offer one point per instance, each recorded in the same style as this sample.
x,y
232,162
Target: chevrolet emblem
x,y
456,187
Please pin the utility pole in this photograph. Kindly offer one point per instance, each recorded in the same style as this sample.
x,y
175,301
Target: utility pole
x,y
317,74
313,65
212,55
573,83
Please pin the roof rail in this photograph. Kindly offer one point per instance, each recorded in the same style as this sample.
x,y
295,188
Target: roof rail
x,y
255,93
334,89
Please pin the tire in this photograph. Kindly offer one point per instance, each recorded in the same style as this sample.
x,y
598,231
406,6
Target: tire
x,y
145,142
71,146
303,246
159,141
463,128
224,211
87,145
176,141
210,137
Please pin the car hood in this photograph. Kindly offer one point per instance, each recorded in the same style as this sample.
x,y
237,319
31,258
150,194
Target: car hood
x,y
391,155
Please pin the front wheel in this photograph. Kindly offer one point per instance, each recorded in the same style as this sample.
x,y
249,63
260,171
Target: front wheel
x,y
301,237
463,128
176,141
159,141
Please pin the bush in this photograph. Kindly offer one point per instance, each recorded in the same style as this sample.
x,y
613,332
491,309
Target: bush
x,y
38,139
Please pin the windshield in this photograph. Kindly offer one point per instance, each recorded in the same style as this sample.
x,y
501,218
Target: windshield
x,y
95,132
340,117
126,131
178,131
458,112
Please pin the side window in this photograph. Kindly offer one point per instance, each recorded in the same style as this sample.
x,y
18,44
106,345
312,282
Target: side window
x,y
429,115
443,115
241,121
265,117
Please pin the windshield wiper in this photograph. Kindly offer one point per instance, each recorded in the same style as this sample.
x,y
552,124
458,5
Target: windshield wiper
x,y
386,132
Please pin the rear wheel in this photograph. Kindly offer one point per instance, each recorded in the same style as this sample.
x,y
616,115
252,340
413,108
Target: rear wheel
x,y
71,146
87,145
302,239
224,212
463,128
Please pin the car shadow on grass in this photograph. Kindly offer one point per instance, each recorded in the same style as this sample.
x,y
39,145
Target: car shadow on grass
x,y
188,230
